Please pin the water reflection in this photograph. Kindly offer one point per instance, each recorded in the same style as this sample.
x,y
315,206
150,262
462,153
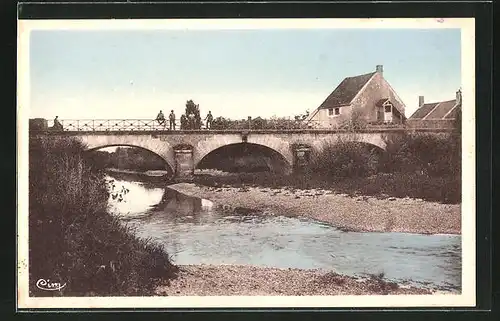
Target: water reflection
x,y
194,231
137,201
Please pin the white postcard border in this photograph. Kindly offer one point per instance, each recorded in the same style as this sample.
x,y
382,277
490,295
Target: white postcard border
x,y
468,294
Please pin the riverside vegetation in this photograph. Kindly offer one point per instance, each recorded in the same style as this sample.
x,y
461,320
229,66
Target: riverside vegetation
x,y
414,165
421,166
72,238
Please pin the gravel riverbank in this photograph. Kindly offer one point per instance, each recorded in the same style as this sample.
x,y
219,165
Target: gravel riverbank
x,y
342,211
223,280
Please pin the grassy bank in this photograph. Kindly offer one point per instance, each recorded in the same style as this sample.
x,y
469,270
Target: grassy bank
x,y
415,166
73,240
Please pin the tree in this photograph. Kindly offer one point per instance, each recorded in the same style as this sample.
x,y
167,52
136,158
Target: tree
x,y
355,122
192,108
259,123
220,123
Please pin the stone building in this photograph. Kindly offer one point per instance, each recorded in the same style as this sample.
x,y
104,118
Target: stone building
x,y
366,98
442,114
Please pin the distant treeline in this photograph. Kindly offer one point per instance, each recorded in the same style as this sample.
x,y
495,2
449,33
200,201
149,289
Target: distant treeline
x,y
246,158
130,158
72,238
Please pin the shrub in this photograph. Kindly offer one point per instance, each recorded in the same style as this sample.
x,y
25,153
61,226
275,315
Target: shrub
x,y
355,122
71,236
431,154
221,123
345,159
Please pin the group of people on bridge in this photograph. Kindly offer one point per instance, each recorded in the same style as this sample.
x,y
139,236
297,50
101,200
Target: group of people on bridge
x,y
187,121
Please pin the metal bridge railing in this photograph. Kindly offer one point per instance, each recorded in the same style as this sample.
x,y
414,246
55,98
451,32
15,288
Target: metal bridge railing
x,y
116,125
154,125
112,125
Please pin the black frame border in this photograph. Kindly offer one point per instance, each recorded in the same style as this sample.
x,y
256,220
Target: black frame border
x,y
481,11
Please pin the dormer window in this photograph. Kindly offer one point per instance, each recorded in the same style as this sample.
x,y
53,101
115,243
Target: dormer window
x,y
334,111
384,109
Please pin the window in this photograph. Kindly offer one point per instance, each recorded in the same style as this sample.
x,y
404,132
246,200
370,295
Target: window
x,y
388,108
334,111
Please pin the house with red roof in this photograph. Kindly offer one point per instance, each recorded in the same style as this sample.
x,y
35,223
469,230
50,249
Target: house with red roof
x,y
442,114
368,97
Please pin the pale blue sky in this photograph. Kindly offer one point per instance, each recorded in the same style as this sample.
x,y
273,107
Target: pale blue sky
x,y
233,73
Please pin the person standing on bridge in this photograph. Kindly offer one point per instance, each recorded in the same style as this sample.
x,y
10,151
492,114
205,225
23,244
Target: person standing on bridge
x,y
183,122
160,118
209,120
171,119
191,121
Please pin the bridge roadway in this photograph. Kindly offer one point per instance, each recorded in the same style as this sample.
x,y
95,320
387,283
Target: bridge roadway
x,y
182,150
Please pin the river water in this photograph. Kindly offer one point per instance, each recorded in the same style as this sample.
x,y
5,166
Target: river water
x,y
195,231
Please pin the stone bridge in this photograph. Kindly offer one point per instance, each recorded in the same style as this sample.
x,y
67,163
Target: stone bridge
x,y
182,151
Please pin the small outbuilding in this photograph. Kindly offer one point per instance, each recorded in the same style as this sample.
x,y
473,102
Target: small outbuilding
x,y
442,114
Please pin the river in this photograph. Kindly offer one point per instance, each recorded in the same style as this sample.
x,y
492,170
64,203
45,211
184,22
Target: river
x,y
196,231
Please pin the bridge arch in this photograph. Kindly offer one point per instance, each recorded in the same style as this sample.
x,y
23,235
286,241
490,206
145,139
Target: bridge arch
x,y
206,146
369,139
245,157
155,146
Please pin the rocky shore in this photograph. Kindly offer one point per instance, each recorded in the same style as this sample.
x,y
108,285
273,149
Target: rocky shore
x,y
223,280
359,213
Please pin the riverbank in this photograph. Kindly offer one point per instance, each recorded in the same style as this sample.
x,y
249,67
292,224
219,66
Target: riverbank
x,y
359,213
417,185
223,280
73,238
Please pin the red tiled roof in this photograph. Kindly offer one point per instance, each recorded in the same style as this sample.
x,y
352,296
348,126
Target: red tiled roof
x,y
346,91
423,111
441,110
453,113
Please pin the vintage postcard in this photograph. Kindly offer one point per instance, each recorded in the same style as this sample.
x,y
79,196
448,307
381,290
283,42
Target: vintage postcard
x,y
246,163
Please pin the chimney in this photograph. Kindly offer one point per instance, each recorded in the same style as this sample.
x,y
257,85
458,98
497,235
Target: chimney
x,y
420,101
380,69
459,97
